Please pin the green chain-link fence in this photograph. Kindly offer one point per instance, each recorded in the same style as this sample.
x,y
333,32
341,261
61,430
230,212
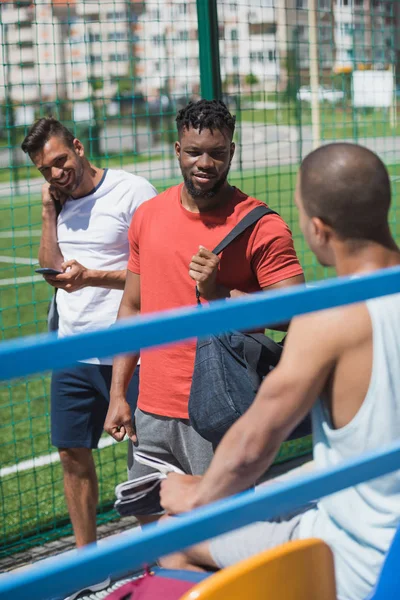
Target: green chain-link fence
x,y
116,71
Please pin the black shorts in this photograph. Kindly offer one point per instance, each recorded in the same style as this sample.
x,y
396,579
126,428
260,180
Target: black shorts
x,y
80,397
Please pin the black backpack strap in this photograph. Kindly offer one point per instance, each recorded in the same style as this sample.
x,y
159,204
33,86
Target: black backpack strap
x,y
273,349
254,215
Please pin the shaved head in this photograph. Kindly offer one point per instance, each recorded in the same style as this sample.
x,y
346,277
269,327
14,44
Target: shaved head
x,y
348,187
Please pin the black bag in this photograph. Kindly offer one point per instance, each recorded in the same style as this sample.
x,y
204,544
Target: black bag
x,y
230,367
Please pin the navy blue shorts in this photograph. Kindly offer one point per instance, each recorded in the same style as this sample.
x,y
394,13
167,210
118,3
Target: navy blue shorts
x,y
80,397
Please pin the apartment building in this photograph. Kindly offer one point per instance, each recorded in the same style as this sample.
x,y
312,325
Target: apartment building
x,y
248,45
55,49
168,47
77,49
30,52
351,33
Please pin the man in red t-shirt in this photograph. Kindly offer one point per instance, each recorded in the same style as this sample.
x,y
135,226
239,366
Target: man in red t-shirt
x,y
171,238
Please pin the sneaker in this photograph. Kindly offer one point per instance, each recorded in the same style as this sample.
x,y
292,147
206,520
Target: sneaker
x,y
97,587
106,592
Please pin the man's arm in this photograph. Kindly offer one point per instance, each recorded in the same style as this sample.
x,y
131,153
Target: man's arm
x,y
75,276
285,397
203,269
49,250
119,418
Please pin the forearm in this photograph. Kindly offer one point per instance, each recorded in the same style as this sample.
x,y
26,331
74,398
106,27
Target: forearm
x,y
241,458
49,250
123,369
251,444
125,365
114,280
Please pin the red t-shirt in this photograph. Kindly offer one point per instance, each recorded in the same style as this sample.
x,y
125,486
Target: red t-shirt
x,y
163,237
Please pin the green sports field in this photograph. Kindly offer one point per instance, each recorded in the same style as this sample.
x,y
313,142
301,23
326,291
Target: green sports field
x,y
32,499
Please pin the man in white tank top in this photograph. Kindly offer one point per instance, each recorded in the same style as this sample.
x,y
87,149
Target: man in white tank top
x,y
343,364
86,213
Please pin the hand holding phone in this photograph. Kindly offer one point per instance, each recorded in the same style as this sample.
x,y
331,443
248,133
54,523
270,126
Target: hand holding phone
x,y
47,271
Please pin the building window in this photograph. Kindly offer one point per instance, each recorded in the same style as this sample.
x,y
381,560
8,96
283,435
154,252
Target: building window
x,y
118,57
234,34
94,58
325,4
27,65
117,15
346,28
301,3
301,32
94,37
235,61
117,36
183,36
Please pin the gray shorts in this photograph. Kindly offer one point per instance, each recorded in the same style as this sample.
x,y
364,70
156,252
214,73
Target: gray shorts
x,y
233,547
172,440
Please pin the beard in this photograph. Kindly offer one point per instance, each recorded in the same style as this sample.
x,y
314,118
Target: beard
x,y
79,173
198,193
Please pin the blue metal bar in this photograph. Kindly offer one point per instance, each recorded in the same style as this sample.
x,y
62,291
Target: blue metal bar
x,y
40,353
63,574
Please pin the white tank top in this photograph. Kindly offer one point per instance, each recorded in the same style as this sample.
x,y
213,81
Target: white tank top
x,y
359,523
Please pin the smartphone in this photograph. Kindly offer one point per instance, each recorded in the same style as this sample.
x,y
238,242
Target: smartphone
x,y
47,271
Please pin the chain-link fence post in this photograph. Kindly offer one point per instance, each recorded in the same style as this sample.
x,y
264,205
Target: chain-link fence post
x,y
210,69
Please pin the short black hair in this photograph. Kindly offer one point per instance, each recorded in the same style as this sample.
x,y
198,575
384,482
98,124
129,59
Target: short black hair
x,y
348,187
41,131
206,114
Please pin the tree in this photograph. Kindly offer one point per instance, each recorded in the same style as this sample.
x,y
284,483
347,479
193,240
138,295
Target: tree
x,y
251,79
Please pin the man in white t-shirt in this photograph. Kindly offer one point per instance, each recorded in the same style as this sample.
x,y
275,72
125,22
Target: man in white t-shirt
x,y
86,214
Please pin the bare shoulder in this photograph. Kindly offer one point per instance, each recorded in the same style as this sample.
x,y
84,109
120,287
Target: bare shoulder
x,y
333,330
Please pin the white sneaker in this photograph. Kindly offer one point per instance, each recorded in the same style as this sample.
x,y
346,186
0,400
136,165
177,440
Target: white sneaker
x,y
97,587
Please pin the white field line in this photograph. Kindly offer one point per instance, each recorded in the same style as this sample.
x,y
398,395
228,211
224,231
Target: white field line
x,y
18,280
15,260
21,233
47,459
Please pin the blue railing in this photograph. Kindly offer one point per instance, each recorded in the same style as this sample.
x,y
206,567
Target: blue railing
x,y
63,574
33,354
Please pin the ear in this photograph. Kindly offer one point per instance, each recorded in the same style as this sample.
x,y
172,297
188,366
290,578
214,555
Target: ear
x,y
178,149
232,151
78,147
322,232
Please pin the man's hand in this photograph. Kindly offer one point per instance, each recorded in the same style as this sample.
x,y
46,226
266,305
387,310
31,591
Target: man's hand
x,y
74,277
203,269
178,493
51,195
118,421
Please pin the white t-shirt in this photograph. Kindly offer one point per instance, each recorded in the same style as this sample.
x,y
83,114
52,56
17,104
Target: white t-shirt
x,y
94,231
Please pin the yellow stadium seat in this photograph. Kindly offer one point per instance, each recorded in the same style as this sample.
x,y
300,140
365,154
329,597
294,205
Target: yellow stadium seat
x,y
298,570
